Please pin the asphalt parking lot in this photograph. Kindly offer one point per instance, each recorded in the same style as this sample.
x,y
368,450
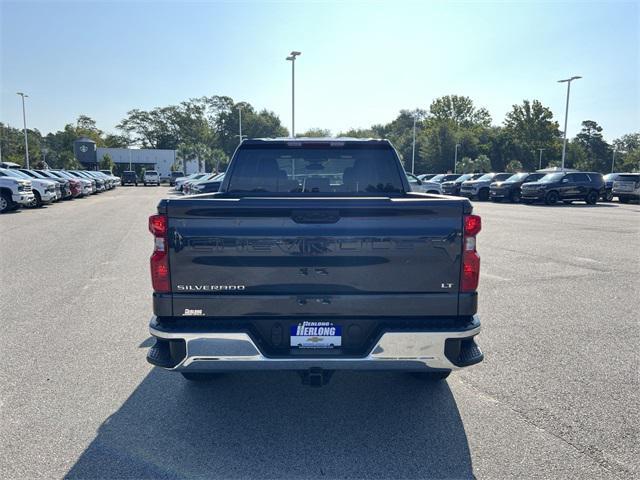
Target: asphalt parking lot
x,y
556,397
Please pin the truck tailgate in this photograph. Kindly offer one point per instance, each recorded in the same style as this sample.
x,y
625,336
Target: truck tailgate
x,y
234,257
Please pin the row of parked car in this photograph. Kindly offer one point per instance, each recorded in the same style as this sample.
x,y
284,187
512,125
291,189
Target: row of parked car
x,y
198,183
21,187
542,186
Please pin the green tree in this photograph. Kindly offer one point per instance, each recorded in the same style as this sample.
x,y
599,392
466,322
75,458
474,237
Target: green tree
x,y
628,153
316,133
359,133
530,126
460,110
107,163
13,148
597,151
483,163
514,166
466,165
437,147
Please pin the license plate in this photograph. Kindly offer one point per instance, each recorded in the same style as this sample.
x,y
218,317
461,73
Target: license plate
x,y
316,335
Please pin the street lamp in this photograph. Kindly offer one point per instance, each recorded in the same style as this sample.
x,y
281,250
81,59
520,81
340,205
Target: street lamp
x,y
540,165
24,121
613,160
566,115
292,58
413,148
455,161
44,151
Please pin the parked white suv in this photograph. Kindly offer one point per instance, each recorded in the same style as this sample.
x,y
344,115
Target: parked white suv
x,y
424,186
44,191
151,177
14,192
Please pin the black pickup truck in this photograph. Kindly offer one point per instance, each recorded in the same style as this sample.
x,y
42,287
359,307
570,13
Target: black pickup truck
x,y
314,256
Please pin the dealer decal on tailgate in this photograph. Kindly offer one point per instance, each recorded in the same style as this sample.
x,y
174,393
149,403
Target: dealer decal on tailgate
x,y
316,335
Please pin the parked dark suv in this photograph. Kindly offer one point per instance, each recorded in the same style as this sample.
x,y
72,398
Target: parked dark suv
x,y
565,186
129,176
510,188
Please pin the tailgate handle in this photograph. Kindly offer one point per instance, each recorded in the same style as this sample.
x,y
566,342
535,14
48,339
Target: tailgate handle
x,y
315,216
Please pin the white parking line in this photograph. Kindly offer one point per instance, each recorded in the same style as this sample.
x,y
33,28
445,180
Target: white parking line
x,y
494,277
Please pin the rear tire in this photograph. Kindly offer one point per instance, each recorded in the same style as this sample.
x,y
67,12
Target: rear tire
x,y
551,198
608,196
431,376
515,197
199,377
592,197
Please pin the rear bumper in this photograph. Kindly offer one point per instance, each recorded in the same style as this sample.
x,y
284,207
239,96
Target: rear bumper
x,y
206,351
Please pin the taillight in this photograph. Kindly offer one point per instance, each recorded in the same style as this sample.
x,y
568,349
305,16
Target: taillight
x,y
470,258
160,258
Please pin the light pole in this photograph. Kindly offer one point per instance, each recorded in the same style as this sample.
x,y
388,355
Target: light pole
x,y
240,136
292,58
566,115
455,160
613,160
413,148
540,164
24,121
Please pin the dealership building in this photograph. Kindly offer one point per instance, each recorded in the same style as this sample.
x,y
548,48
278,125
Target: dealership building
x,y
90,156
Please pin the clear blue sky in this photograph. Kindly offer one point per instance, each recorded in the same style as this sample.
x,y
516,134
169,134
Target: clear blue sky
x,y
361,62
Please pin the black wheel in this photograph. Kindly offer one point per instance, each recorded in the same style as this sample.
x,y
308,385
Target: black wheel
x,y
623,199
608,196
551,198
199,377
37,200
483,195
515,197
431,376
591,198
5,202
